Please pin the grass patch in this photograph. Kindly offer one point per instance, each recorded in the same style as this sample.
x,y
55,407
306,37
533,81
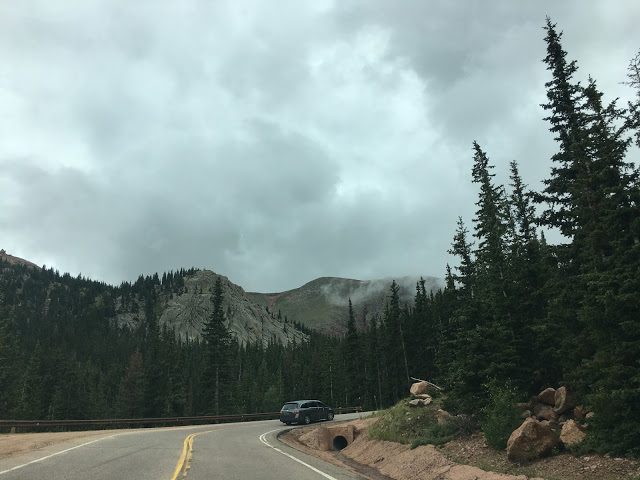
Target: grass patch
x,y
439,434
418,426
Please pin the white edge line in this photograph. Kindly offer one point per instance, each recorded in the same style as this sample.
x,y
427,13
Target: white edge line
x,y
54,454
263,440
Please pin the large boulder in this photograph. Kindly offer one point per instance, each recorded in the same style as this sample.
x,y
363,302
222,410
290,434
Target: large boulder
x,y
420,402
545,412
419,387
531,440
580,412
443,416
550,424
572,432
548,396
564,401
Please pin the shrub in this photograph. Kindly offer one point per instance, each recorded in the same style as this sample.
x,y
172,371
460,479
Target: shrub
x,y
616,424
439,434
499,418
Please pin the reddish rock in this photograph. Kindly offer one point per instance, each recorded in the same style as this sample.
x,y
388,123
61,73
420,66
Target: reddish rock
x,y
420,402
444,416
563,401
548,396
419,387
545,412
550,424
579,412
531,440
572,433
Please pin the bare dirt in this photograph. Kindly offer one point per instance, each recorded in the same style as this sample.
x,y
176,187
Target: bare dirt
x,y
463,459
14,444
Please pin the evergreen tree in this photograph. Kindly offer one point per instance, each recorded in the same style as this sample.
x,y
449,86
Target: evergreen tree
x,y
633,114
131,390
155,385
395,354
353,359
9,366
526,280
374,358
69,397
466,269
34,400
463,346
218,345
483,347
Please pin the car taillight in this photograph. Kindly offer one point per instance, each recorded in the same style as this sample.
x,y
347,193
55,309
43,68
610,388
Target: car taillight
x,y
296,412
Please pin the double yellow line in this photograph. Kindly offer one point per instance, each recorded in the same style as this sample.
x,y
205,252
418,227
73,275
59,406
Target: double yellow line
x,y
185,458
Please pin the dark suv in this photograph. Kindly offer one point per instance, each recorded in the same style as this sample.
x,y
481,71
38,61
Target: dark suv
x,y
305,411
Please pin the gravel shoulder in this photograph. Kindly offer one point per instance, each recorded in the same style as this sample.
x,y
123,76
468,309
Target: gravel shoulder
x,y
16,444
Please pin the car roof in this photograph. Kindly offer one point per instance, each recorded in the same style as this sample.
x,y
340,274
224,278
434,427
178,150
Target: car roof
x,y
302,401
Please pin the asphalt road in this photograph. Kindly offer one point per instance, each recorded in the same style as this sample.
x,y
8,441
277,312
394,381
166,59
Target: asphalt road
x,y
243,451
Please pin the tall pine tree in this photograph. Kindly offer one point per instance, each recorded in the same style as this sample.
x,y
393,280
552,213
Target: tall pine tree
x,y
218,347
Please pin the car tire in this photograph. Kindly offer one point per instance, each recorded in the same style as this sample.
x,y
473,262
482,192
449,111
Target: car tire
x,y
307,419
330,416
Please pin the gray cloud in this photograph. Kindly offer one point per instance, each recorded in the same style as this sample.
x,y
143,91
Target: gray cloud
x,y
273,145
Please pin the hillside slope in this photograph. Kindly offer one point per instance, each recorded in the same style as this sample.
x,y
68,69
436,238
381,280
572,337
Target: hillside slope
x,y
322,304
4,256
248,321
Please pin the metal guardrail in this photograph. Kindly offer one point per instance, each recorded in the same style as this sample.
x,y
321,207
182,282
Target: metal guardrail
x,y
119,422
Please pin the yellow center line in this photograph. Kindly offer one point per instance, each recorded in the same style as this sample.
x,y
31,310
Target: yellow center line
x,y
187,453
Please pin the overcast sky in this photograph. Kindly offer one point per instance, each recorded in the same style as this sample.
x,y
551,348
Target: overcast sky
x,y
274,142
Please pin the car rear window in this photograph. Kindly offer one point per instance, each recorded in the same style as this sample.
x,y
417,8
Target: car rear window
x,y
290,406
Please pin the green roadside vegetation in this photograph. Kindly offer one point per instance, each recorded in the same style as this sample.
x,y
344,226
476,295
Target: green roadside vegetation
x,y
419,426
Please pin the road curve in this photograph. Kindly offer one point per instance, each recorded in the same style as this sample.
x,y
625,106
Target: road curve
x,y
229,451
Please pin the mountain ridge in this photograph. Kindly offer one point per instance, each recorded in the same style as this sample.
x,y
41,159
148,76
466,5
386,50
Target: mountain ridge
x,y
16,260
183,304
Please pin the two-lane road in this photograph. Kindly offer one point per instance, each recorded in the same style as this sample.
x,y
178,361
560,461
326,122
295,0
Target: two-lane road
x,y
227,451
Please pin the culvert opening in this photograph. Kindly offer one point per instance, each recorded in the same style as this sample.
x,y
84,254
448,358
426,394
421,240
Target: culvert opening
x,y
339,442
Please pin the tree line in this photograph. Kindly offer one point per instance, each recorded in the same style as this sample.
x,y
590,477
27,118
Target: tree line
x,y
516,313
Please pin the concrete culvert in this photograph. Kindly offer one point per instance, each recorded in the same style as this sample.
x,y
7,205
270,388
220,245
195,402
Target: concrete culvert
x,y
339,442
334,437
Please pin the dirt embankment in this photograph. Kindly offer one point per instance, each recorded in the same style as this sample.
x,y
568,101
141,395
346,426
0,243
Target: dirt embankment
x,y
460,459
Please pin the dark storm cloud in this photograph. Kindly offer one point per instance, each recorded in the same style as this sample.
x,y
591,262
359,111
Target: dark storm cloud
x,y
482,61
273,145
